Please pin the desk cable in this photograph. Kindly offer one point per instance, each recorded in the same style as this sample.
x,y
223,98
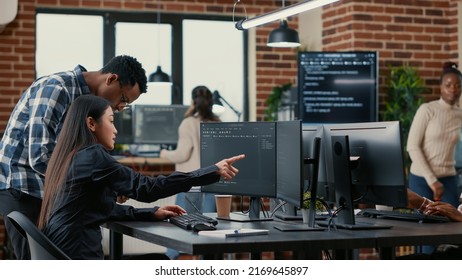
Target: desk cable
x,y
281,203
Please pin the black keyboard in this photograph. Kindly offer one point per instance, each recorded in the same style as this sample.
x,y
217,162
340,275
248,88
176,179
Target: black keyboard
x,y
409,216
187,221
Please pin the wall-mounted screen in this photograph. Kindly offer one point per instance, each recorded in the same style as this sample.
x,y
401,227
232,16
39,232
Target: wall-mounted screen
x,y
337,87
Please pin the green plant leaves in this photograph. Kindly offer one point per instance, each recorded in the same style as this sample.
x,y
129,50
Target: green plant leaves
x,y
274,101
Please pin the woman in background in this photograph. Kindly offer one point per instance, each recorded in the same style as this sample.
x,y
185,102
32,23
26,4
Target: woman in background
x,y
433,136
432,140
83,181
187,154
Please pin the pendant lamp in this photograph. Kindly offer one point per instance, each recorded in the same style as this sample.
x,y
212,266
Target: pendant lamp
x,y
159,77
283,37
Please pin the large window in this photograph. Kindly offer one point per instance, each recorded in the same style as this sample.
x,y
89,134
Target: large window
x,y
63,41
152,49
215,59
193,50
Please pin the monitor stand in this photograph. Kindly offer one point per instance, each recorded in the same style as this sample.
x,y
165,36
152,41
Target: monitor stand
x,y
343,188
288,212
355,226
287,216
254,214
297,227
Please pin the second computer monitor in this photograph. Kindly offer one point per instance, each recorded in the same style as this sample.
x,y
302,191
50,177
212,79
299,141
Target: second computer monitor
x,y
257,171
378,174
157,124
365,164
289,162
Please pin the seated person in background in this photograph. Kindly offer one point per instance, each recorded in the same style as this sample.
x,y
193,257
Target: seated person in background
x,y
187,154
83,180
426,206
429,207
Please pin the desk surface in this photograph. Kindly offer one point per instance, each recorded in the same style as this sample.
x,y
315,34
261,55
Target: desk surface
x,y
401,233
171,236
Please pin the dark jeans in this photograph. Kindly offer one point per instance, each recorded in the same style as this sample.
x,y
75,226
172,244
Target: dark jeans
x,y
14,200
451,193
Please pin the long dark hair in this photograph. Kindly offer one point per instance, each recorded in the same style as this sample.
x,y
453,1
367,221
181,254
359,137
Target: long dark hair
x,y
74,135
202,104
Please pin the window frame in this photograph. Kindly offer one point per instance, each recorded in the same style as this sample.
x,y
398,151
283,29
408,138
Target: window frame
x,y
110,18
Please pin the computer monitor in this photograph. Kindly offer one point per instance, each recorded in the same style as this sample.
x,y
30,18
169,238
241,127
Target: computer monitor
x,y
123,121
365,163
257,172
289,164
157,124
338,87
293,196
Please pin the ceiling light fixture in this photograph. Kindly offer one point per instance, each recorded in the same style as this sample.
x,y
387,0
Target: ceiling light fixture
x,y
159,77
284,12
283,36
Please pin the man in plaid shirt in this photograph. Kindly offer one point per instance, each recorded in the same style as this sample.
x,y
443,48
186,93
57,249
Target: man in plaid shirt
x,y
36,121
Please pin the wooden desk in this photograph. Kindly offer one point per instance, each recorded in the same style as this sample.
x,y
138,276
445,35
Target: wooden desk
x,y
307,245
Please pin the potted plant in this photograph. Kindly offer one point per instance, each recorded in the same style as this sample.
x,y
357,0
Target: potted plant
x,y
404,96
306,206
274,101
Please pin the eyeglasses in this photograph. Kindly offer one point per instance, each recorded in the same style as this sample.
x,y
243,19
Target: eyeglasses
x,y
124,99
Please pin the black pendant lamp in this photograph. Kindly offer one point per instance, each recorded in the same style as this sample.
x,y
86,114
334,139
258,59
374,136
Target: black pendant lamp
x,y
159,76
283,37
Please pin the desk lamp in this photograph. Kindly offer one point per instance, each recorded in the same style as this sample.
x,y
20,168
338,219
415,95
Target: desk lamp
x,y
218,100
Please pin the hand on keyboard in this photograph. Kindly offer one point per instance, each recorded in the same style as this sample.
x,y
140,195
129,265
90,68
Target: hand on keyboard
x,y
409,216
167,211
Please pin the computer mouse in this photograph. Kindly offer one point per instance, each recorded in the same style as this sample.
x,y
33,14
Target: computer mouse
x,y
202,226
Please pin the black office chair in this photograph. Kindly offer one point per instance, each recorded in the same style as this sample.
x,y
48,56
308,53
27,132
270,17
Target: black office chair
x,y
41,248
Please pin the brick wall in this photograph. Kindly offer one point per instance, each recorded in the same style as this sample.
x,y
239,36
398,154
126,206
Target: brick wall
x,y
421,33
17,42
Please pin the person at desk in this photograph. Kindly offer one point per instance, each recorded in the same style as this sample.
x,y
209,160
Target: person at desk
x,y
36,122
429,207
433,136
83,181
187,154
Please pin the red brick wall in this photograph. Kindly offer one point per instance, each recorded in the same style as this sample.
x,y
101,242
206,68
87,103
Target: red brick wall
x,y
17,42
420,33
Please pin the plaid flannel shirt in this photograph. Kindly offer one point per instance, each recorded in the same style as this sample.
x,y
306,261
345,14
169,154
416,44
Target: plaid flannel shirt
x,y
33,127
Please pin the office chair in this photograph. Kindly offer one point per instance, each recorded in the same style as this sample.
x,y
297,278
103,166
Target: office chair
x,y
41,248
